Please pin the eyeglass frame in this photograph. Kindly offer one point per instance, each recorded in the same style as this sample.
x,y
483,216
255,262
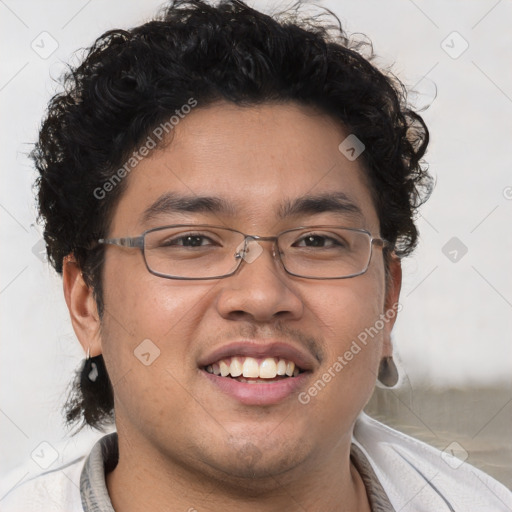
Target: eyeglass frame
x,y
139,242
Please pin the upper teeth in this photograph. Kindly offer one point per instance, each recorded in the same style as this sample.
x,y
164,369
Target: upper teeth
x,y
267,368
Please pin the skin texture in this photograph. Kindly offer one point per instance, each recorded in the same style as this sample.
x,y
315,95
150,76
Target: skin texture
x,y
182,442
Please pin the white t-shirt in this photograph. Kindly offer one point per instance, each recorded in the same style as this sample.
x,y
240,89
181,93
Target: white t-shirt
x,y
400,473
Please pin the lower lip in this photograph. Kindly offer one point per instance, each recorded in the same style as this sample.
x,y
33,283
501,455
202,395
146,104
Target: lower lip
x,y
266,393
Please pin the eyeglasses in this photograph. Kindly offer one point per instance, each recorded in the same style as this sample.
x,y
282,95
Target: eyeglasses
x,y
189,251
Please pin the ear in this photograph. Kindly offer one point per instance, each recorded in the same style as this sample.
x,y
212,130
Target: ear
x,y
82,307
391,305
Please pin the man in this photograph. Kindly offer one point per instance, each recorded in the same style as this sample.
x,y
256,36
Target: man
x,y
227,197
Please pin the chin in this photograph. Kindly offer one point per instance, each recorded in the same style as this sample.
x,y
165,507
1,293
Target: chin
x,y
254,465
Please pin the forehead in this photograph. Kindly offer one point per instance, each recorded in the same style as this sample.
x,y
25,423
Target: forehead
x,y
250,164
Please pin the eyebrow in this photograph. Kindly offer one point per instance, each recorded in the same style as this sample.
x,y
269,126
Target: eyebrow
x,y
306,205
174,203
335,202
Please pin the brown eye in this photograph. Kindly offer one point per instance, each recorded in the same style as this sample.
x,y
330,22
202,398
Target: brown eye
x,y
187,240
315,240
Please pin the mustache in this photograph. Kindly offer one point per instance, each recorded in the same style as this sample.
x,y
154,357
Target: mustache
x,y
313,344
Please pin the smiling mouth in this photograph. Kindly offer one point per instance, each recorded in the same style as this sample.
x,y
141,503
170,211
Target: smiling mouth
x,y
254,370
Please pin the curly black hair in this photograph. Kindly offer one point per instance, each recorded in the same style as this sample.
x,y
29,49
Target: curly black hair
x,y
131,81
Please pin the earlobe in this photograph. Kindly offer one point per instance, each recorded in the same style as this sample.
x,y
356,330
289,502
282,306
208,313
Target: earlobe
x,y
82,307
388,372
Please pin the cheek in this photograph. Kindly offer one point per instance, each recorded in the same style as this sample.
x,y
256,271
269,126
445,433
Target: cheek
x,y
146,306
348,315
344,309
148,314
148,325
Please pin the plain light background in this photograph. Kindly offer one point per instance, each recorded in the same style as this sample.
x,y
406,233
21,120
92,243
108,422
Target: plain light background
x,y
456,323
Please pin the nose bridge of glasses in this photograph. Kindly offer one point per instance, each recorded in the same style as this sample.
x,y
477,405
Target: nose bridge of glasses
x,y
250,248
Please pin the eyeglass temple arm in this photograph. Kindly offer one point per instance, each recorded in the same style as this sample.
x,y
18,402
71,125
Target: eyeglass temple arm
x,y
137,241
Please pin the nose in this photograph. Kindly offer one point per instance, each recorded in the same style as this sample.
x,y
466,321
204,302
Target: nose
x,y
260,290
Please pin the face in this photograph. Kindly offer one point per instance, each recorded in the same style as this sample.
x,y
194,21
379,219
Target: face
x,y
257,161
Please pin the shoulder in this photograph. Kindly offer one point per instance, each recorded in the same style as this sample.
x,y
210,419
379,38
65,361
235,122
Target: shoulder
x,y
417,476
57,490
